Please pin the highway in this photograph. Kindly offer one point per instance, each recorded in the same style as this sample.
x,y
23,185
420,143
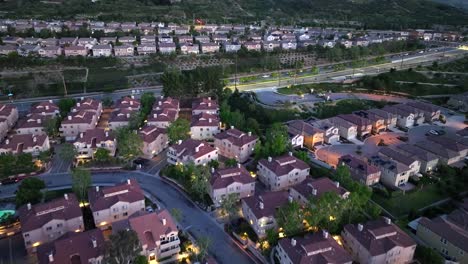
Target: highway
x,y
327,75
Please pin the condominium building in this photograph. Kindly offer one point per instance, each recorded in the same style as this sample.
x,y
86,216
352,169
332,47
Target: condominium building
x,y
282,172
27,143
191,151
235,144
91,140
228,181
204,126
155,140
205,105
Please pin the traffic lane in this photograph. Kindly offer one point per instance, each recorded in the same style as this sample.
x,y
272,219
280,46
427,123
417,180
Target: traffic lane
x,y
12,250
202,225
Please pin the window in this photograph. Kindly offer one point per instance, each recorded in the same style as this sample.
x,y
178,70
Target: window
x,y
443,240
125,214
48,228
28,243
115,216
59,225
26,235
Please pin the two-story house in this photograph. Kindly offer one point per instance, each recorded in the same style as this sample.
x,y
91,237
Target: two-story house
x,y
311,135
346,129
393,154
282,172
155,140
191,151
235,144
236,180
205,105
393,172
363,125
361,170
204,126
91,140
28,143
315,188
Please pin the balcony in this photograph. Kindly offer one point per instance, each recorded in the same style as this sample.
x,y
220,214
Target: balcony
x,y
168,244
169,252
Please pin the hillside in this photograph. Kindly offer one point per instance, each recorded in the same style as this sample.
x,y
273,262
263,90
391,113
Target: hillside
x,y
372,13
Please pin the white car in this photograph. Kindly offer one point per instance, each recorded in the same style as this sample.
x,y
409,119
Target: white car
x,y
266,76
433,132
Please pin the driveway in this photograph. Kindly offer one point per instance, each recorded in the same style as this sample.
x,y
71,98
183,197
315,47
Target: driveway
x,y
196,221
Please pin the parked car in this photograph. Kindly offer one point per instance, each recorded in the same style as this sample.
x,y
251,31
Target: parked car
x,y
433,132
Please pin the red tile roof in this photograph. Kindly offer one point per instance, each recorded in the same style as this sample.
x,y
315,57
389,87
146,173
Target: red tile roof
x,y
192,147
95,136
284,164
104,198
20,142
47,107
75,248
317,248
236,137
33,120
204,120
41,214
205,103
163,115
87,104
299,127
127,102
5,110
122,114
82,117
151,133
270,201
224,177
166,103
320,185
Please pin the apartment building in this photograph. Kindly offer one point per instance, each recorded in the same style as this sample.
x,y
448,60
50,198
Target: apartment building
x,y
77,123
28,143
82,247
127,102
282,172
447,234
361,170
157,233
204,126
346,129
31,124
121,117
235,144
330,132
155,140
166,103
378,241
191,151
260,210
46,222
162,118
315,188
363,125
311,135
377,122
228,181
91,140
10,113
319,247
205,105
46,108
112,204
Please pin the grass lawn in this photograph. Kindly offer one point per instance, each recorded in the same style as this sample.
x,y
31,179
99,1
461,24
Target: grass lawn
x,y
305,88
403,204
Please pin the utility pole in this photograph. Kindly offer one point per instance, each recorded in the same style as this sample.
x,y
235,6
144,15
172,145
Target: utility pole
x,y
235,76
64,85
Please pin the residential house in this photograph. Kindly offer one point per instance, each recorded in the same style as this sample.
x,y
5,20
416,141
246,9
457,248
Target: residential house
x,y
253,45
361,170
288,44
311,135
108,40
166,103
191,151
330,132
155,140
346,129
75,51
145,49
104,50
27,50
271,45
81,247
428,160
121,117
405,119
167,48
236,181
377,122
390,119
455,143
378,241
260,210
431,112
393,173
17,144
31,124
219,38
401,157
124,50
205,105
445,156
115,203
88,43
235,144
315,188
164,30
31,41
319,247
45,222
68,41
204,126
127,102
209,47
185,39
75,123
91,140
10,113
181,30
417,113
50,51
186,48
162,118
49,42
7,49
156,231
202,39
231,46
364,125
447,234
282,172
165,38
128,40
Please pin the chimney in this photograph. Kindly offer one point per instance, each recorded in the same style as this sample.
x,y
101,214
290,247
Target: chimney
x,y
128,181
131,102
155,115
179,141
133,97
325,233
290,153
212,170
388,221
261,205
47,107
94,242
128,115
78,104
29,206
249,133
43,113
7,141
290,199
65,196
293,242
162,97
34,139
39,121
314,192
232,127
337,184
51,257
81,135
107,133
69,117
209,104
81,98
269,159
238,165
209,120
197,148
164,221
159,103
209,98
360,227
50,101
97,188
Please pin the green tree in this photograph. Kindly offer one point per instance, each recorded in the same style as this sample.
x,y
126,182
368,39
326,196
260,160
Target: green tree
x,y
199,180
173,83
65,105
107,102
230,163
428,255
123,247
302,155
203,244
147,100
51,126
102,155
136,120
67,152
290,218
81,181
178,130
277,141
213,164
271,236
128,144
141,260
29,191
228,205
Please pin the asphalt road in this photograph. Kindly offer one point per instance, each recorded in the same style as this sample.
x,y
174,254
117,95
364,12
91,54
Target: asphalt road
x,y
195,220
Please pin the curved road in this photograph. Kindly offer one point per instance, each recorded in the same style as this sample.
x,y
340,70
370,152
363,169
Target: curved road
x,y
198,222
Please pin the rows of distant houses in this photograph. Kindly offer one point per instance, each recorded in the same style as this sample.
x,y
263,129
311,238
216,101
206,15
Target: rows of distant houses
x,y
171,38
